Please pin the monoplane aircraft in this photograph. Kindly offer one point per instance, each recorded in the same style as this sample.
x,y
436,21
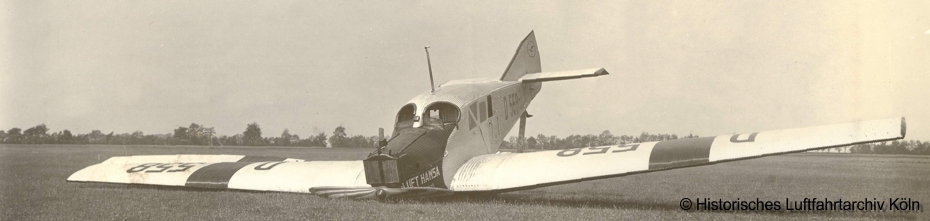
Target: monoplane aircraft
x,y
446,141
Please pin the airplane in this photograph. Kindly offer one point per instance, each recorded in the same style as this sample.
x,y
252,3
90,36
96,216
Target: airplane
x,y
445,141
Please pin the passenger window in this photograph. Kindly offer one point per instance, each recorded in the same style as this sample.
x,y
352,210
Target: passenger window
x,y
483,111
490,109
474,114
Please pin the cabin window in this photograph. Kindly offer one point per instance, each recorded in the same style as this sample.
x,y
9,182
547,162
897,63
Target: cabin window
x,y
441,114
482,111
474,114
490,109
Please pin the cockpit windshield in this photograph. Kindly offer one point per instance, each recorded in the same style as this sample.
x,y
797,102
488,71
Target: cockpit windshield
x,y
441,114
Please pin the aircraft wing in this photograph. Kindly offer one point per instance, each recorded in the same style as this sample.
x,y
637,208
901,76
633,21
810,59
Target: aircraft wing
x,y
516,171
225,172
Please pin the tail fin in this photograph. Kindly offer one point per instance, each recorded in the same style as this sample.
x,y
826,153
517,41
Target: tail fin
x,y
525,61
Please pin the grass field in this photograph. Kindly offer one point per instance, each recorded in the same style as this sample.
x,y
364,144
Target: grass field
x,y
33,187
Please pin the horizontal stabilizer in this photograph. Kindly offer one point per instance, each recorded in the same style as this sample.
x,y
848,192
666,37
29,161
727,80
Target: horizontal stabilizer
x,y
562,75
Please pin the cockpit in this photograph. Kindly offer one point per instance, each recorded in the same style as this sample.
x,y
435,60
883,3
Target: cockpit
x,y
439,115
416,147
405,117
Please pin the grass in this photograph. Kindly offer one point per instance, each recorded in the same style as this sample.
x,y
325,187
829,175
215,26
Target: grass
x,y
33,187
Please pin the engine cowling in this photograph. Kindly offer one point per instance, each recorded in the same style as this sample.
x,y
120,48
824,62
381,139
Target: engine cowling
x,y
412,158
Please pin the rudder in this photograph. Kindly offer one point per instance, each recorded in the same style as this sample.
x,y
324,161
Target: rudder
x,y
524,61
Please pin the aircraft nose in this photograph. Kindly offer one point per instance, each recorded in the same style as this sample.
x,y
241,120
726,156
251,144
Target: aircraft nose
x,y
410,153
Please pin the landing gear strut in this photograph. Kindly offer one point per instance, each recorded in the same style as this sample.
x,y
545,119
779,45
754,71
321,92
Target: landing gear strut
x,y
520,140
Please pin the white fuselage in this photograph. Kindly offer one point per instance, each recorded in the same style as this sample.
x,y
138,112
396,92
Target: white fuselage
x,y
488,111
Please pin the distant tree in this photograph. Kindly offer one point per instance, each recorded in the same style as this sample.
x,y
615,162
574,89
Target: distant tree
x,y
319,140
205,135
209,134
644,137
311,141
589,140
110,138
96,137
531,143
899,147
571,141
181,133
883,148
359,141
555,142
505,145
514,142
53,138
894,147
137,138
339,137
123,139
287,139
624,139
195,134
860,149
233,140
924,148
200,134
606,138
36,135
542,142
252,135
2,136
66,137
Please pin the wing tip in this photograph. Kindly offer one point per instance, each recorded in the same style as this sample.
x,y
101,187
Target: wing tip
x,y
903,128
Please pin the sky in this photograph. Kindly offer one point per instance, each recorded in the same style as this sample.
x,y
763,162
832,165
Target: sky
x,y
699,67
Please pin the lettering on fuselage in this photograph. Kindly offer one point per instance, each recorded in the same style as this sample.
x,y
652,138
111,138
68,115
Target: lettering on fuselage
x,y
423,179
514,104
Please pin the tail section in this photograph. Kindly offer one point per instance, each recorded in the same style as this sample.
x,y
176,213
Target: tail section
x,y
525,61
562,75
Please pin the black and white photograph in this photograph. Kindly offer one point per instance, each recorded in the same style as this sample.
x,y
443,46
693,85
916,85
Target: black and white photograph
x,y
465,110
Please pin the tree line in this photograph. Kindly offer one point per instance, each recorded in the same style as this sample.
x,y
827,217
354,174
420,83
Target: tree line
x,y
195,134
914,147
543,142
200,135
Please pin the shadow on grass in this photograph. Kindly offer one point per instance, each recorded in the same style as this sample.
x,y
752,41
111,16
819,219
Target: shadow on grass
x,y
544,200
541,198
621,204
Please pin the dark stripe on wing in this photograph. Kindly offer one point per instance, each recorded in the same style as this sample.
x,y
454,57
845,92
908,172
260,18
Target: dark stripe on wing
x,y
679,153
215,176
260,159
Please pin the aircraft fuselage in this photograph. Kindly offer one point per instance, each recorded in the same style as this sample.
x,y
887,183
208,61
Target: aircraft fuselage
x,y
474,116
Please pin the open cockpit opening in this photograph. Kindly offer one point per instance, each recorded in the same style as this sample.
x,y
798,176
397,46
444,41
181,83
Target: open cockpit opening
x,y
441,114
405,117
413,156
